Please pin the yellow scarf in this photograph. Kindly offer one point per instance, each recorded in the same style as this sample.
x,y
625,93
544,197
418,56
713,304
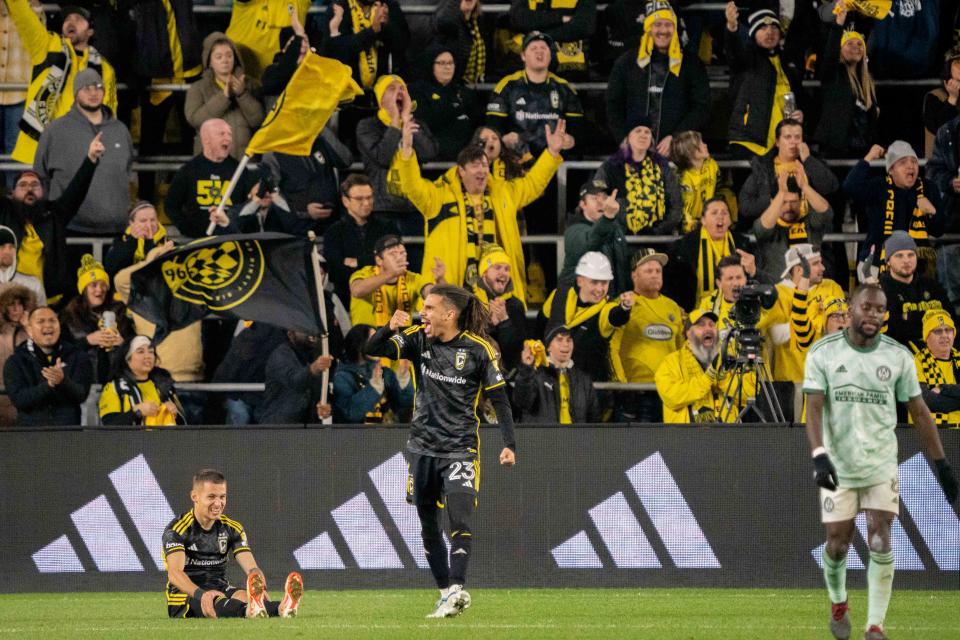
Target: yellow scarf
x,y
564,384
711,252
368,57
140,253
916,226
674,51
477,60
381,312
575,315
646,196
876,9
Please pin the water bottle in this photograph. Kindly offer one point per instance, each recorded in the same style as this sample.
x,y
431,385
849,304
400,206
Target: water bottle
x,y
108,322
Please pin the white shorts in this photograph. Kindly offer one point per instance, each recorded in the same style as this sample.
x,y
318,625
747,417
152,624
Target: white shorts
x,y
845,503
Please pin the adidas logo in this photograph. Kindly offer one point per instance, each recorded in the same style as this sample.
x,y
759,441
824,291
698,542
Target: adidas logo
x,y
192,547
841,369
623,536
101,532
935,520
367,540
521,102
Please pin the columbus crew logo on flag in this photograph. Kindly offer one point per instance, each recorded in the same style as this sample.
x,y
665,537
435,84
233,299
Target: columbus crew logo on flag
x,y
219,276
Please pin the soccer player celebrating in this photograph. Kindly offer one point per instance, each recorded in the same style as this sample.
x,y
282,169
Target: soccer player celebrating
x,y
853,380
452,364
195,547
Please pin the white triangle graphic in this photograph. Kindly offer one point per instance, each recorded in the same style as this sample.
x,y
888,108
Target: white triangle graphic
x,y
576,553
365,536
104,537
319,553
621,532
57,557
144,500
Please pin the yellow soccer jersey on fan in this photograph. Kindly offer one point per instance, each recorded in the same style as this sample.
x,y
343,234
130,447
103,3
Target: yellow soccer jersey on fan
x,y
255,29
655,330
787,358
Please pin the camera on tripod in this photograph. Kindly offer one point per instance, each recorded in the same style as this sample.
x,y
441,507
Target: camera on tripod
x,y
748,341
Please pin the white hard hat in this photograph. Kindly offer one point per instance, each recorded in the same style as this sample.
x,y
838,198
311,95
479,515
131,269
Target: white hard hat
x,y
594,265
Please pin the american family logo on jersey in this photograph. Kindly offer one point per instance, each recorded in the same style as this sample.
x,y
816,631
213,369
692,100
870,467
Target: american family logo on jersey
x,y
936,523
98,527
623,535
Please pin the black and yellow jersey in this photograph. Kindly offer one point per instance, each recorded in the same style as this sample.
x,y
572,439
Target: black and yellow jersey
x,y
518,105
206,551
448,378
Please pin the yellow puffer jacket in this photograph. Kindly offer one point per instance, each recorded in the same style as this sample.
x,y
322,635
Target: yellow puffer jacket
x,y
688,395
49,97
445,218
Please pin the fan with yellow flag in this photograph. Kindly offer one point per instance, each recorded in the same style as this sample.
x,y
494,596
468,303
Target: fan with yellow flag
x,y
877,9
316,89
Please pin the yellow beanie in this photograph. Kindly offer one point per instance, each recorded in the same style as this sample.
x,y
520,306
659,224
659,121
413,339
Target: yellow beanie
x,y
90,271
852,35
382,83
493,255
934,319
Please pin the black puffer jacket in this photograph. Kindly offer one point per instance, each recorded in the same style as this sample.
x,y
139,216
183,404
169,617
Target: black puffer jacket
x,y
37,403
537,395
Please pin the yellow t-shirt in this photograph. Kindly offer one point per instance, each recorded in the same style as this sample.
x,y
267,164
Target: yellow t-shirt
x,y
362,309
655,330
255,28
112,402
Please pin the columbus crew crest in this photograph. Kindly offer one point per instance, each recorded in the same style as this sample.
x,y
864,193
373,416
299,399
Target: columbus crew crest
x,y
222,540
461,360
219,277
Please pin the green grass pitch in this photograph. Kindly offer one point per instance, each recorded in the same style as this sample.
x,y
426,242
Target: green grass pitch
x,y
496,613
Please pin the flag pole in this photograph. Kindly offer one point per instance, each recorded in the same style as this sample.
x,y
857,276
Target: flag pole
x,y
226,196
322,305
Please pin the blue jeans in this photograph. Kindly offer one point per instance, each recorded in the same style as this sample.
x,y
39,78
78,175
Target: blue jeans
x,y
10,115
239,413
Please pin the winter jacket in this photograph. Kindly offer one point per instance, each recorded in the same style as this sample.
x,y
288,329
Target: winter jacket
x,y
684,102
687,393
537,394
353,397
680,272
37,403
906,304
547,17
871,193
442,204
845,129
378,143
761,185
246,358
155,58
276,76
205,101
50,219
127,250
605,236
904,44
510,333
292,391
77,322
942,170
752,87
10,276
63,148
12,335
613,172
772,244
449,111
454,32
49,51
346,240
126,392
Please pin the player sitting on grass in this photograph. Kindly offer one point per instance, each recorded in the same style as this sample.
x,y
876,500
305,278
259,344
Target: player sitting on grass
x,y
195,547
853,380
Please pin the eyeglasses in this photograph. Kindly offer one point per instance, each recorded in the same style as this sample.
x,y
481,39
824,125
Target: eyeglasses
x,y
444,63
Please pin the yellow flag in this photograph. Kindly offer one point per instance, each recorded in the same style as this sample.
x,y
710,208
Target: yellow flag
x,y
877,9
317,88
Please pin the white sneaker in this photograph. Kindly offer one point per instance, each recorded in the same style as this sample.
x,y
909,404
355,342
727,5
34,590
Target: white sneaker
x,y
452,604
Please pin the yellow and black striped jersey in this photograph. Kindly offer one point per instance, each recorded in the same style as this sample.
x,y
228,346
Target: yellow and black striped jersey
x,y
206,551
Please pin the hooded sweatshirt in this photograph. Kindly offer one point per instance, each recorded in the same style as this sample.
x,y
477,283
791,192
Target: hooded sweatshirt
x,y
10,275
205,100
63,148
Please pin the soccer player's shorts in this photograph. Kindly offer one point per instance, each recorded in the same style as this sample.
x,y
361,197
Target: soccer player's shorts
x,y
845,503
181,605
431,478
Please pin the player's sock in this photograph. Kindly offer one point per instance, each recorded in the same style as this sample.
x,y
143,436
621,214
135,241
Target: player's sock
x,y
879,586
433,546
460,546
273,608
229,608
835,576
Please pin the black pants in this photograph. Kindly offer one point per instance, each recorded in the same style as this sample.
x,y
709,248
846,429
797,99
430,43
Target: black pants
x,y
450,484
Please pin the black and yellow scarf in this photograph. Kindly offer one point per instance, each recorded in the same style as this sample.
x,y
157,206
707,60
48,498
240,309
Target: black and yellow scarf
x,y
916,225
477,60
646,195
381,312
707,261
368,57
930,372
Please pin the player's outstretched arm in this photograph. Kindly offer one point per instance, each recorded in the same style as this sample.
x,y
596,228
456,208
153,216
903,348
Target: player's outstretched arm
x,y
823,470
179,579
927,430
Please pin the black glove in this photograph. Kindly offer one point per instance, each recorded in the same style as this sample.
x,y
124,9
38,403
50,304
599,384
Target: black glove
x,y
825,473
947,480
804,266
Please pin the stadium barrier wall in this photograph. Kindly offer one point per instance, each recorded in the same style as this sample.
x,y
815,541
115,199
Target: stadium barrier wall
x,y
613,506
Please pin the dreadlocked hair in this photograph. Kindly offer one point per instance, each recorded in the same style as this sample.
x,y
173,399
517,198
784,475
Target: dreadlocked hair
x,y
472,316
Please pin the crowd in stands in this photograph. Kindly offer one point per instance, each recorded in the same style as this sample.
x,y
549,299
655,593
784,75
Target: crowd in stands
x,y
493,98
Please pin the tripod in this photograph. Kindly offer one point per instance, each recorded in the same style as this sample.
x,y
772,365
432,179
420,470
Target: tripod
x,y
768,410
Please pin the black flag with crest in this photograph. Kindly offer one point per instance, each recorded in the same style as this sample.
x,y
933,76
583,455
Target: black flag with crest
x,y
263,277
